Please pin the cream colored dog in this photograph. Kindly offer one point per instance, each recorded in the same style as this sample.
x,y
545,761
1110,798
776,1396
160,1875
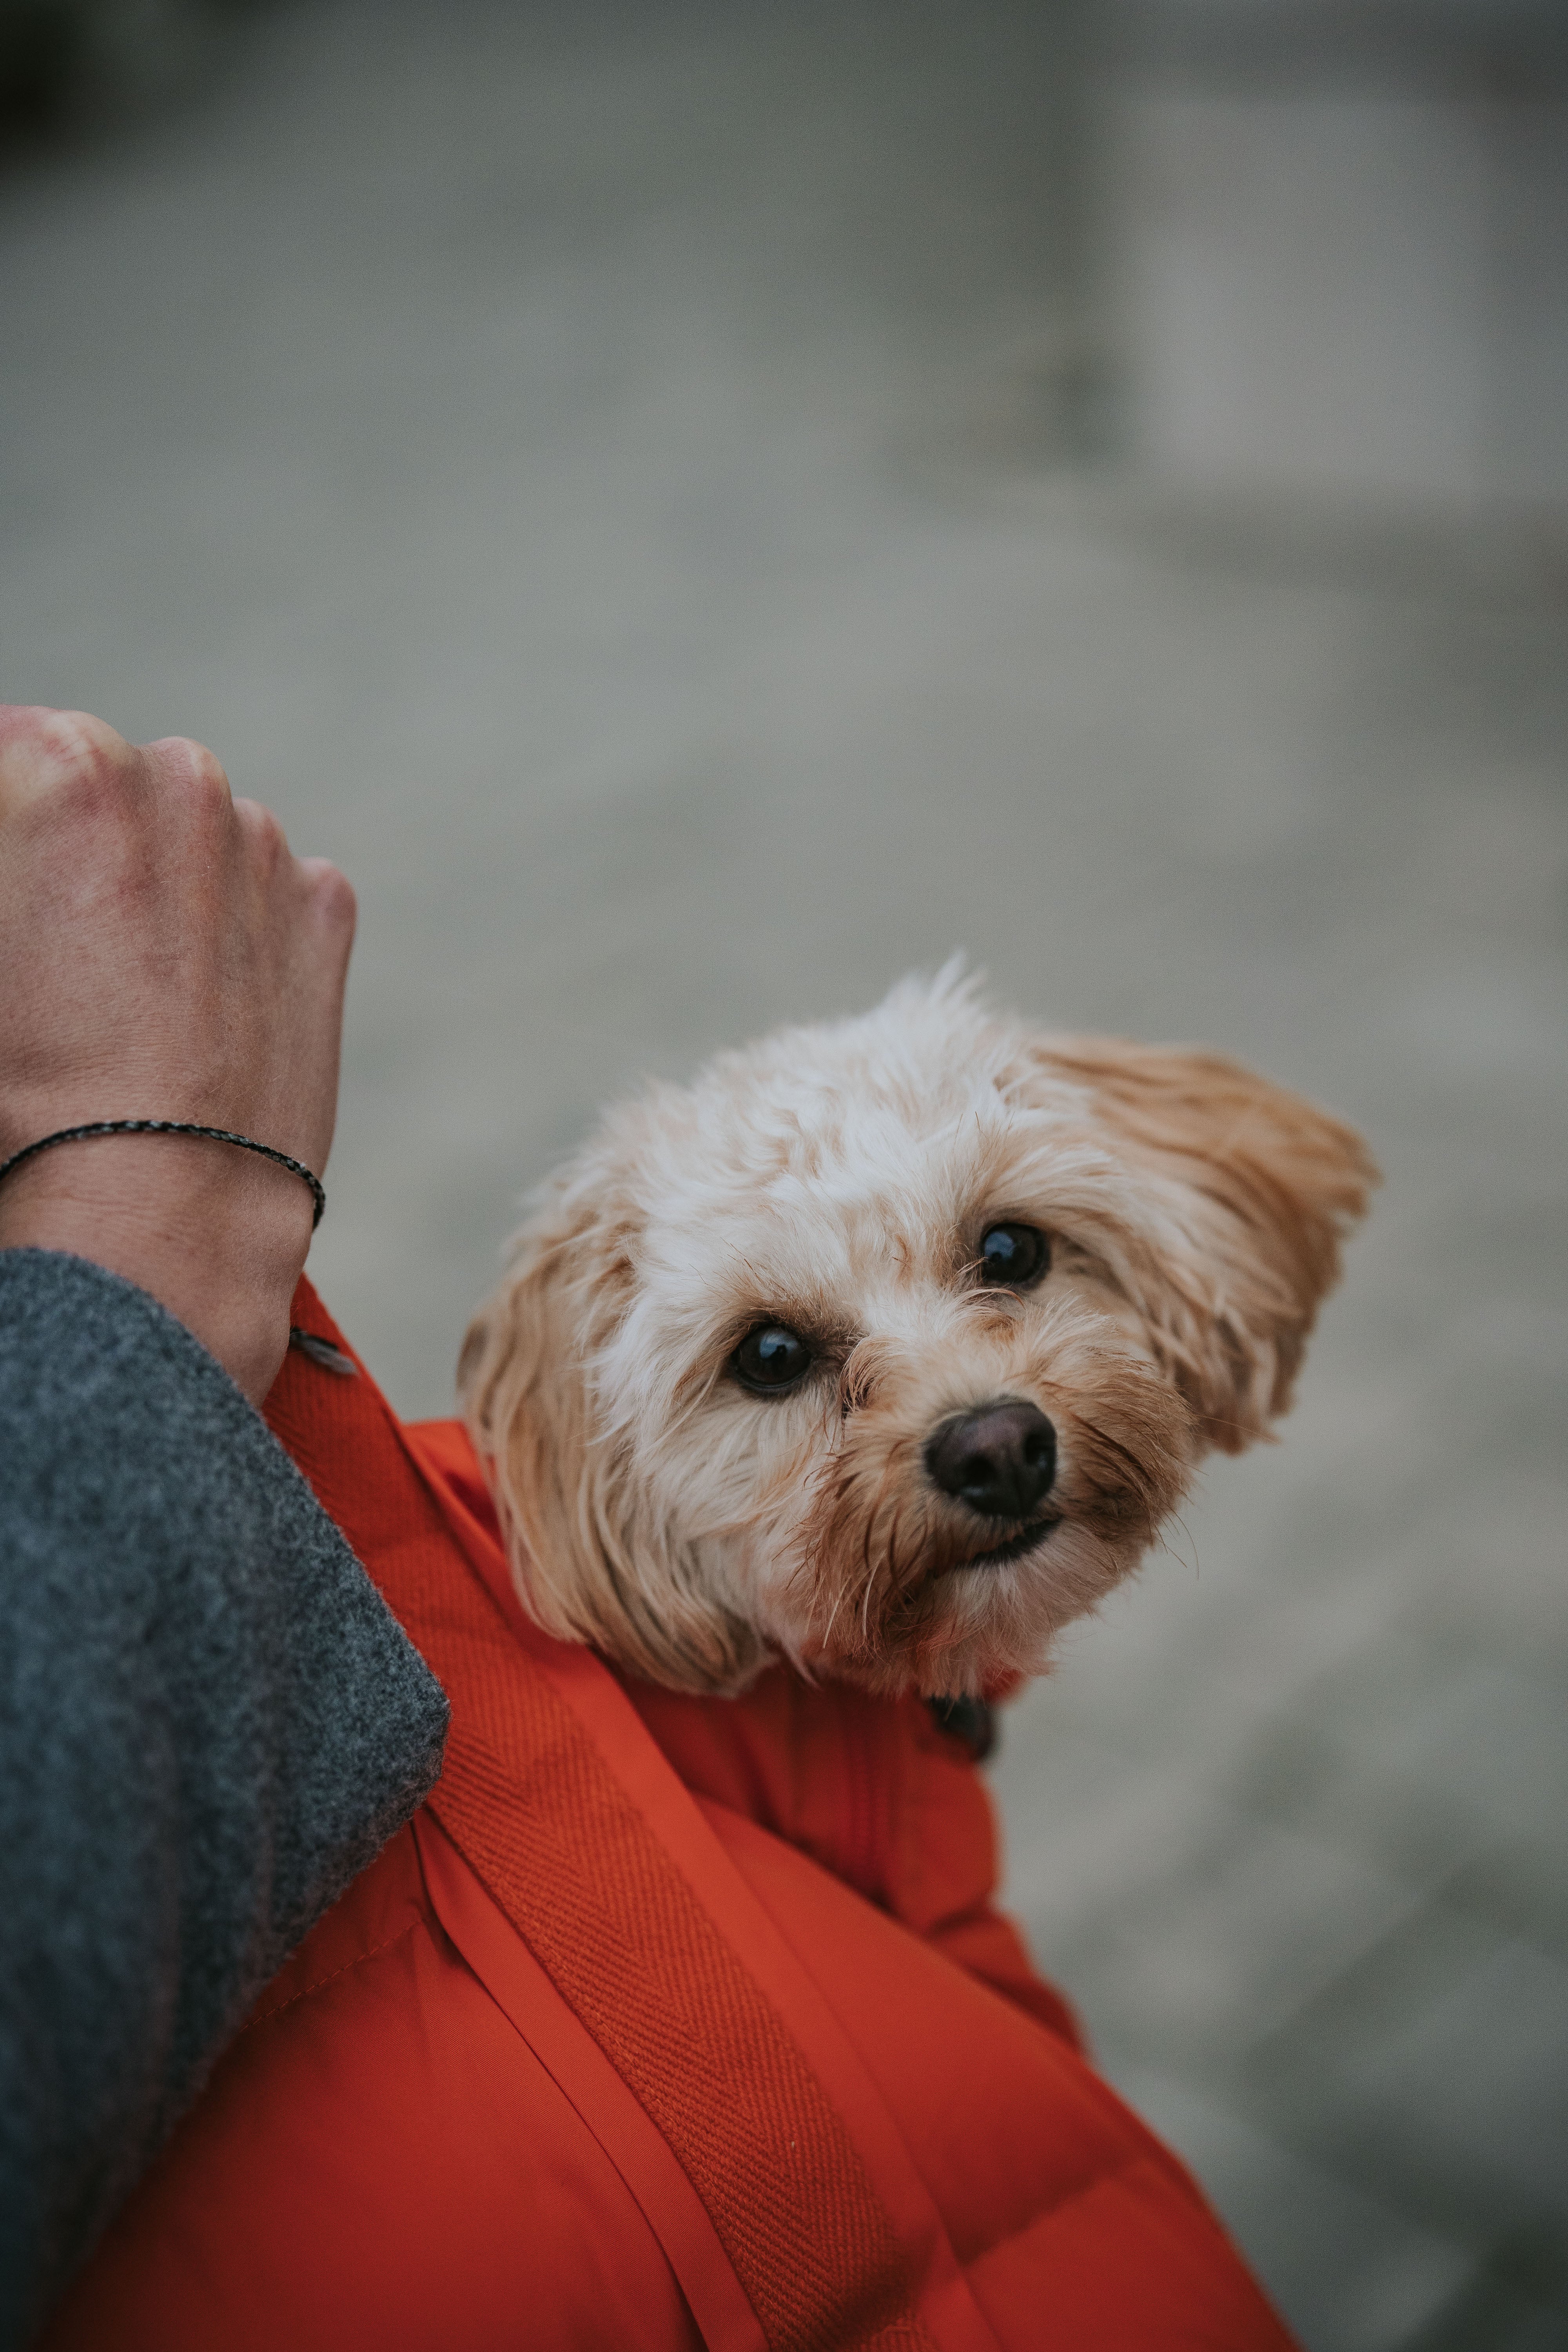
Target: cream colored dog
x,y
889,1346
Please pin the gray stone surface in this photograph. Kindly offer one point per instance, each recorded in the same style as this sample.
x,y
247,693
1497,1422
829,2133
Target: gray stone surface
x,y
589,471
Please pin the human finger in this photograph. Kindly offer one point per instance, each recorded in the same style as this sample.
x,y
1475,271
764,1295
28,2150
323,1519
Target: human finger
x,y
298,930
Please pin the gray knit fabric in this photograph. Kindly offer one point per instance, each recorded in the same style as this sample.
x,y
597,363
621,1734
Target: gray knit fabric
x,y
209,1722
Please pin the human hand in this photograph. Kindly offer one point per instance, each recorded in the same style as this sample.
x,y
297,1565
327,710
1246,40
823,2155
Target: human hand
x,y
163,955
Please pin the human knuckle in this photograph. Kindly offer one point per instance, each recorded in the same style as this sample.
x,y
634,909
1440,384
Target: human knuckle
x,y
264,835
198,772
333,892
80,754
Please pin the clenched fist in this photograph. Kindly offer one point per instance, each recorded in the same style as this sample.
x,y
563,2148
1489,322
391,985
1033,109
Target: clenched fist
x,y
163,955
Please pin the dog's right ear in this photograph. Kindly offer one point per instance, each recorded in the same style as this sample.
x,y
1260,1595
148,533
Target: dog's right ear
x,y
592,1558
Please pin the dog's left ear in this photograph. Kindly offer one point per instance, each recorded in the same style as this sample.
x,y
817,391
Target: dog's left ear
x,y
1254,1191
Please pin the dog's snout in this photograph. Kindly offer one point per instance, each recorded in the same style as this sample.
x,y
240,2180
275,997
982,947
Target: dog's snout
x,y
1000,1459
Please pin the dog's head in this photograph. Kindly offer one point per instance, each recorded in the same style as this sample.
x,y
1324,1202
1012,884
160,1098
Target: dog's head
x,y
888,1345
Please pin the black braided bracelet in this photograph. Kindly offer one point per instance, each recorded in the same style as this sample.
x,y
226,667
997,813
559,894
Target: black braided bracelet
x,y
170,1127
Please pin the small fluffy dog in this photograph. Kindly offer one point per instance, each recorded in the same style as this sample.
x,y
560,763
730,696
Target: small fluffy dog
x,y
888,1345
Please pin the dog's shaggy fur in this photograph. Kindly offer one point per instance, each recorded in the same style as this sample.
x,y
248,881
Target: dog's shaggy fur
x,y
840,1181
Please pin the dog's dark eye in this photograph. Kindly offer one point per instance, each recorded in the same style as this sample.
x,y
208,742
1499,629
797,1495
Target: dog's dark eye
x,y
771,1358
1014,1256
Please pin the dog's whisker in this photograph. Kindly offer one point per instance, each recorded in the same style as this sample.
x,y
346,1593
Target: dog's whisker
x,y
894,1575
1177,1521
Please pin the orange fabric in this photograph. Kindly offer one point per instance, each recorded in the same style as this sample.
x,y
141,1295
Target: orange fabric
x,y
524,1795
644,2159
609,2051
869,1788
379,2162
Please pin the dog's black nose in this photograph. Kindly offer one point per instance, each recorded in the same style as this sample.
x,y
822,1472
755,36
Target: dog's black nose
x,y
999,1459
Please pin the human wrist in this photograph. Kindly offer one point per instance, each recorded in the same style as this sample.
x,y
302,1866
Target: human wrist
x,y
216,1236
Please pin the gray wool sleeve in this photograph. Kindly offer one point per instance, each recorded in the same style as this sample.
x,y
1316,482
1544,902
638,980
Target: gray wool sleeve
x,y
209,1722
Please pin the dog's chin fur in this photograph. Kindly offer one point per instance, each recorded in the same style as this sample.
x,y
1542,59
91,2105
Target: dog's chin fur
x,y
838,1180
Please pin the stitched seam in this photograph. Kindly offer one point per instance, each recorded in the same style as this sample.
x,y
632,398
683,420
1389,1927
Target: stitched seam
x,y
332,1976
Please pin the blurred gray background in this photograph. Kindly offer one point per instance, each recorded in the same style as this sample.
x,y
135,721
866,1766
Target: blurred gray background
x,y
701,508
